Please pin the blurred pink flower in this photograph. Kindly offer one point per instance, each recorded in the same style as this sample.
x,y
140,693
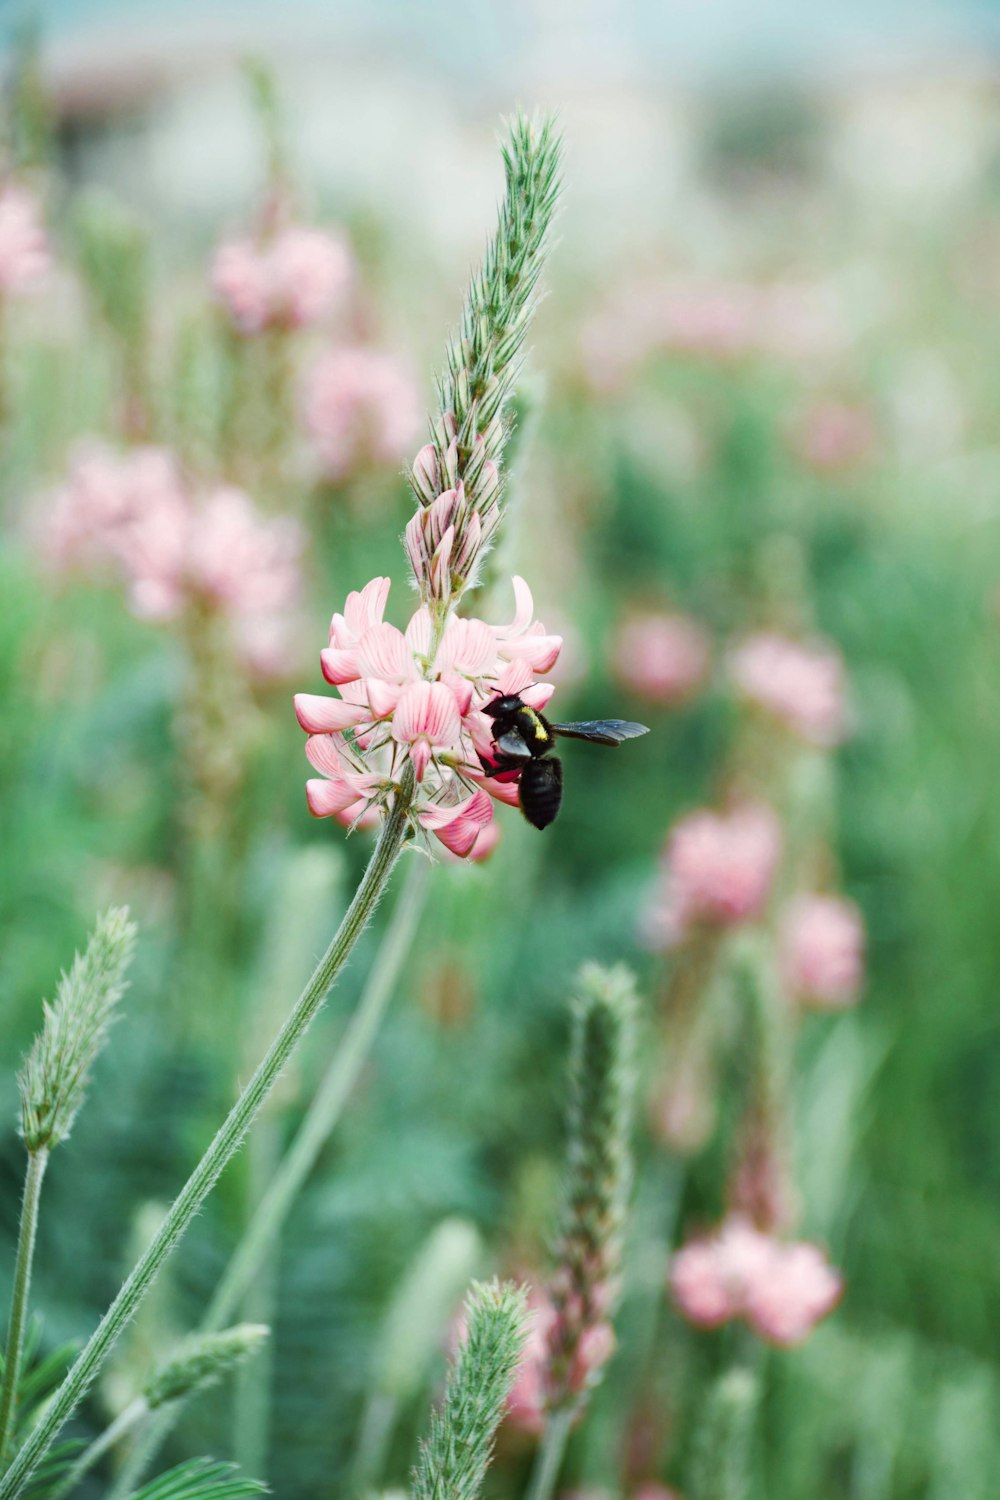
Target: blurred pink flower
x,y
360,407
651,1490
291,281
175,550
218,551
709,1277
781,1289
717,871
821,950
24,246
661,657
413,695
84,524
802,686
799,1288
833,435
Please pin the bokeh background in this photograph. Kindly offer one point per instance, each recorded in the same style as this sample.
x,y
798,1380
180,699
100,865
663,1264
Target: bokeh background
x,y
762,391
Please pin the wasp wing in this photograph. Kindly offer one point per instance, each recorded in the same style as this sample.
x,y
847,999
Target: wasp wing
x,y
601,731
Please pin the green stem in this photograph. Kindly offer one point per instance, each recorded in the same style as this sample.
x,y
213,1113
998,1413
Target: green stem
x,y
222,1149
548,1460
123,1423
37,1162
319,1121
327,1106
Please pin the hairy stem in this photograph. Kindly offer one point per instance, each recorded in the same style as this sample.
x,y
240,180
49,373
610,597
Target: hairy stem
x,y
317,1125
37,1162
113,1433
548,1460
327,1106
222,1149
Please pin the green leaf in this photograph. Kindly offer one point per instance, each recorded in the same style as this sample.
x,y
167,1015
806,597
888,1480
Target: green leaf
x,y
200,1479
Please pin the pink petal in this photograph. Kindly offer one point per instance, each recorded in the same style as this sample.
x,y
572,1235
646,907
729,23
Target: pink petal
x,y
461,688
538,695
427,709
524,607
469,646
444,722
383,652
507,792
339,665
383,696
459,827
367,608
477,807
319,715
328,798
418,633
420,754
539,652
514,678
321,752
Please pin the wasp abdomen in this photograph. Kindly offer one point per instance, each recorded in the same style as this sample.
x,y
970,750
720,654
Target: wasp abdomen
x,y
540,790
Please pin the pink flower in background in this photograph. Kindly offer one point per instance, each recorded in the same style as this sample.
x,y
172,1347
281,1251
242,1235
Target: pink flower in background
x,y
798,1289
661,657
821,950
709,1277
834,435
176,550
718,871
218,551
413,695
781,1289
85,523
24,246
360,407
294,280
802,686
239,279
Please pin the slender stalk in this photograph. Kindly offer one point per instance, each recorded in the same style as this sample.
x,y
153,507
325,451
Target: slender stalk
x,y
222,1149
113,1433
319,1122
548,1460
327,1105
37,1162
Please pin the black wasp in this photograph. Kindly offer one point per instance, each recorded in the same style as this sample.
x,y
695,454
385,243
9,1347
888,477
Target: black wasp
x,y
524,741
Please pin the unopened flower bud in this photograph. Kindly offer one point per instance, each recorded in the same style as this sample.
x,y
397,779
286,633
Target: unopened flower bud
x,y
425,475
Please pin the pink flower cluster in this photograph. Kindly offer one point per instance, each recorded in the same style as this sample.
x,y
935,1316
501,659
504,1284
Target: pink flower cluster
x,y
781,1289
717,871
359,407
418,695
134,512
801,686
822,951
24,247
293,280
663,658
